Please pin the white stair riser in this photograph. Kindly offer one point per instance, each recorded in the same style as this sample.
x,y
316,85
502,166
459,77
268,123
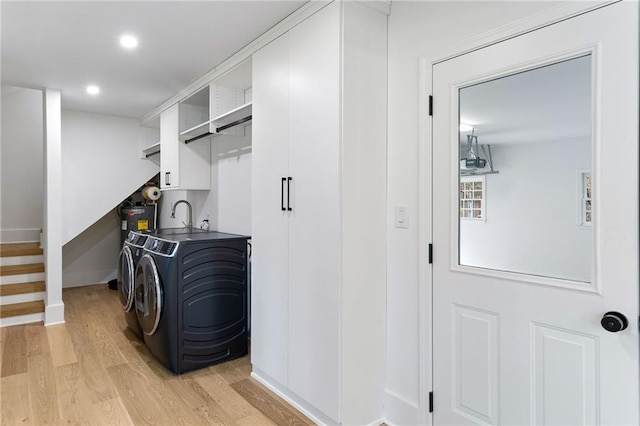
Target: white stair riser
x,y
20,298
22,319
21,260
23,278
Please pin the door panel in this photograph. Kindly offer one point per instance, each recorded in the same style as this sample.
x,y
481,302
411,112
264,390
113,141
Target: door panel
x,y
270,232
564,376
475,363
315,217
527,347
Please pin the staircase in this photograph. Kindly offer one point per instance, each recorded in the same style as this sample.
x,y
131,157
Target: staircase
x,y
22,285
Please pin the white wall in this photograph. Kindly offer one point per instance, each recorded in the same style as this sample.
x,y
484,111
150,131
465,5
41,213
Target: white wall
x,y
22,181
92,256
415,29
227,205
532,212
102,166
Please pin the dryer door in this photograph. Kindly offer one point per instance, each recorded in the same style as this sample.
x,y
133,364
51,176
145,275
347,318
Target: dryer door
x,y
125,278
148,294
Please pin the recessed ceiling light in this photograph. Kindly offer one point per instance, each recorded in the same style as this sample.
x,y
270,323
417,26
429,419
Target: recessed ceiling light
x,y
128,41
93,89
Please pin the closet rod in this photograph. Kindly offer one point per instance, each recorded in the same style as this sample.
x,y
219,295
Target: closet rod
x,y
204,135
233,124
220,129
151,154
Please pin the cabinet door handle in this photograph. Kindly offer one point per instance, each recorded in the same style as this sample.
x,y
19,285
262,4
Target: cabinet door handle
x,y
167,178
282,194
289,179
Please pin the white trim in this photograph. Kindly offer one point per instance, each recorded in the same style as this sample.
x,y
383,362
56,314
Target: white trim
x,y
240,56
313,415
425,237
22,298
382,6
22,278
21,260
21,319
546,17
25,235
54,314
405,412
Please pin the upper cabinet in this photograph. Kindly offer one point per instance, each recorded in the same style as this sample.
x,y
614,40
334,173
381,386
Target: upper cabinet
x,y
182,166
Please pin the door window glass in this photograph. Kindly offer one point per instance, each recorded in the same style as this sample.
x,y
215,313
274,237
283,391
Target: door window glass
x,y
527,135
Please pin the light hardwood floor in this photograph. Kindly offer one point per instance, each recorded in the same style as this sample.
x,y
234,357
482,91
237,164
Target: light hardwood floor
x,y
90,371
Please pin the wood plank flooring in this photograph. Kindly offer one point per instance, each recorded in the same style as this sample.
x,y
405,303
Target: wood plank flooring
x,y
91,371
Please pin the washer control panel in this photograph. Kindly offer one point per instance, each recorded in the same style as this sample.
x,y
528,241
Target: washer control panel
x,y
161,247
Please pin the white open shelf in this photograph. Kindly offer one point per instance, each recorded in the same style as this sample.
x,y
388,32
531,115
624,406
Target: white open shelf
x,y
233,115
195,131
152,149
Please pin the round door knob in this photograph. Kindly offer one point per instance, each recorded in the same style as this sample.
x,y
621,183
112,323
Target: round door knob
x,y
614,322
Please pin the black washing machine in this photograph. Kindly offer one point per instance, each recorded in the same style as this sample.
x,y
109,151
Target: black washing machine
x,y
191,298
132,250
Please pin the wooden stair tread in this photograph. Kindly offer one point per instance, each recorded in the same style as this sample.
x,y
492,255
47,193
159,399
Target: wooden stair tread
x,y
31,268
20,249
22,288
25,308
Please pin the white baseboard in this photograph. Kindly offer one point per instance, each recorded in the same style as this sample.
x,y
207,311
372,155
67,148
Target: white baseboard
x,y
399,410
27,235
22,298
80,279
54,314
292,399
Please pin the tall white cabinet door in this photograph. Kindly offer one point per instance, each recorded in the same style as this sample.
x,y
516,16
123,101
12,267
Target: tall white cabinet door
x,y
170,158
269,221
314,229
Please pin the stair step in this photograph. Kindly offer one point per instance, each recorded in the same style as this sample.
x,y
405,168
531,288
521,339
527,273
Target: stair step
x,y
22,288
31,268
20,249
25,308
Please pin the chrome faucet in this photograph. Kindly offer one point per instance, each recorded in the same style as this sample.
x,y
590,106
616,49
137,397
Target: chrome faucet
x,y
173,212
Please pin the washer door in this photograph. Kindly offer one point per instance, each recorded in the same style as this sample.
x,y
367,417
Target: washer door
x,y
125,278
148,294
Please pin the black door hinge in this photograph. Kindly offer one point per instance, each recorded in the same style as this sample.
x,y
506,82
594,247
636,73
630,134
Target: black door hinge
x,y
431,402
430,105
430,253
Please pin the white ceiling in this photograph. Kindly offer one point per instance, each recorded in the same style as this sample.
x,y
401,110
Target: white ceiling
x,y
69,45
544,104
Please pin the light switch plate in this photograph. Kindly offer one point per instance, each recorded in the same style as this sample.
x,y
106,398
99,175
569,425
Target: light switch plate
x,y
402,217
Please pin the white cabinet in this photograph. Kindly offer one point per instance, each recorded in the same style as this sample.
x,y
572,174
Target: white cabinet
x,y
319,222
182,166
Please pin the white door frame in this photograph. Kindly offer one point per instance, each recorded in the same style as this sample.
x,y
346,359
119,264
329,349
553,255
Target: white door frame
x,y
533,22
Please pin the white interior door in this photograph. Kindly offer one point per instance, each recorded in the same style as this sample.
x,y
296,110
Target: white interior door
x,y
527,260
270,228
